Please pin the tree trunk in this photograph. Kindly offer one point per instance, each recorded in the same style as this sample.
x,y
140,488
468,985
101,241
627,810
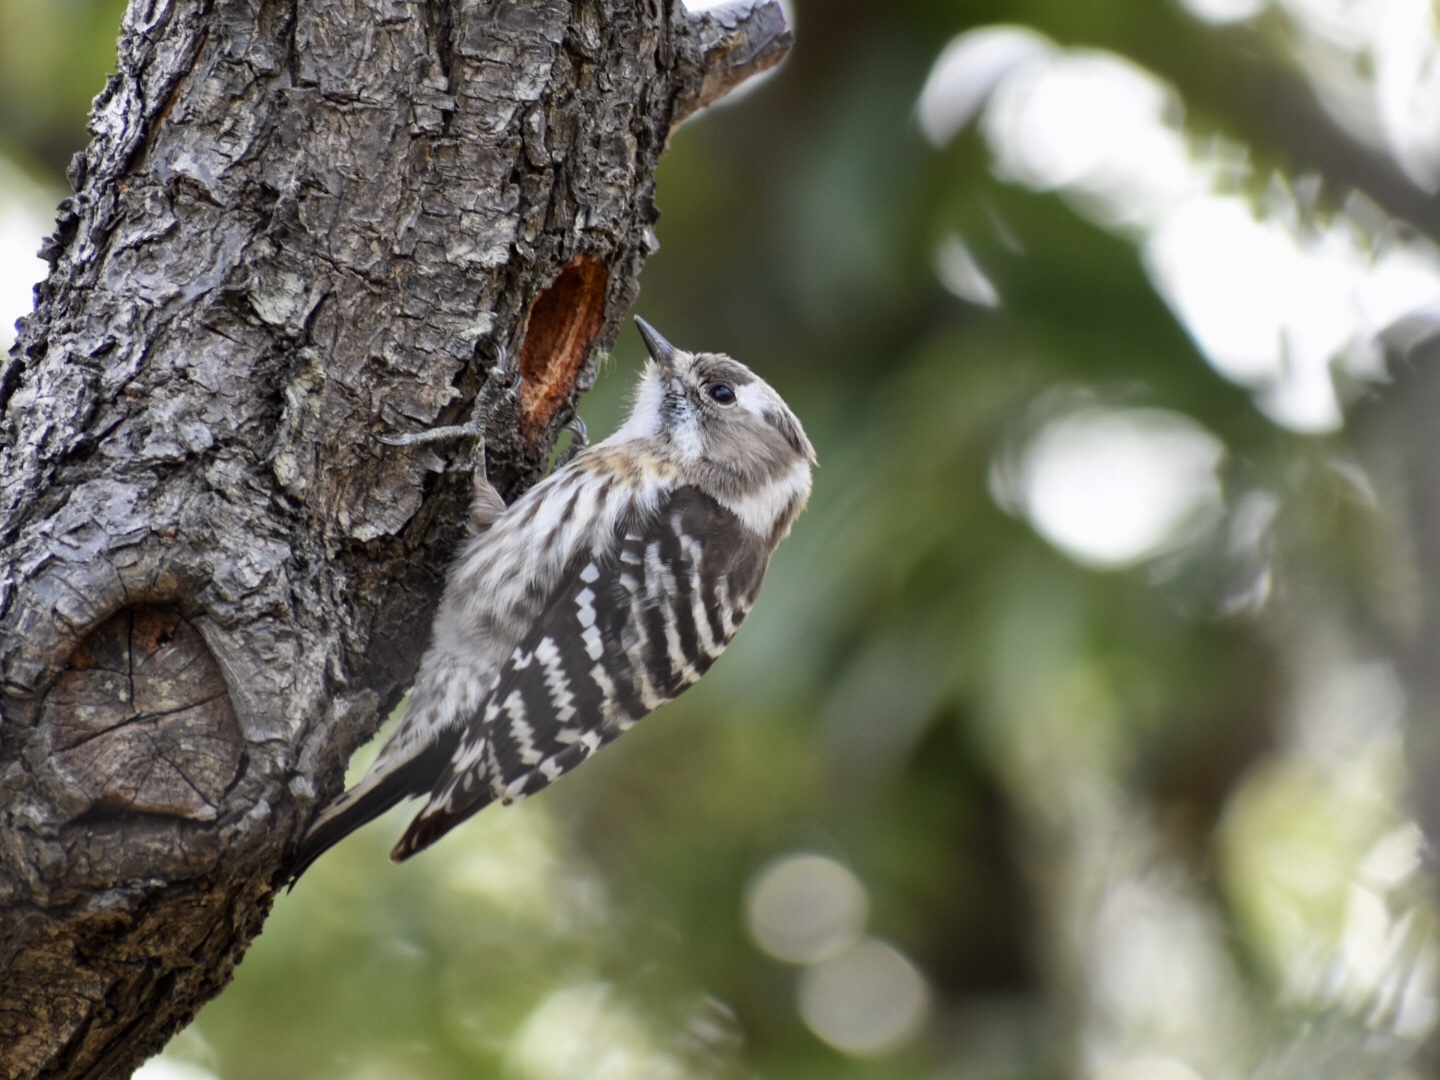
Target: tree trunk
x,y
300,224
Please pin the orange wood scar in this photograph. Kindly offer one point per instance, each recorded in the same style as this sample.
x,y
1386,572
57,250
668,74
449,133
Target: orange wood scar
x,y
560,332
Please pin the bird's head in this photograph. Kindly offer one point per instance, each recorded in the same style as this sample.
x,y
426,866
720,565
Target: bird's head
x,y
711,413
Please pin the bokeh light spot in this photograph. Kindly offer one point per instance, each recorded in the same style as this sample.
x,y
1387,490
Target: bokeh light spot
x,y
958,271
965,73
869,1000
805,908
1111,487
1220,12
585,1031
1098,127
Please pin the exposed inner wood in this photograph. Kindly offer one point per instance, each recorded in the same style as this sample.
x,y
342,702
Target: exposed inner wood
x,y
560,332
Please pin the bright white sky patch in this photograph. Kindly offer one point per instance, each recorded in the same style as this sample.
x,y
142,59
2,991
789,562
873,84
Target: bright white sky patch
x,y
1224,11
1101,130
1374,64
966,72
1276,298
1111,487
1220,269
1267,309
26,217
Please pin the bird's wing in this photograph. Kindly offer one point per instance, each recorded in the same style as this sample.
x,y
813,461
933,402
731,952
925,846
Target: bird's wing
x,y
620,636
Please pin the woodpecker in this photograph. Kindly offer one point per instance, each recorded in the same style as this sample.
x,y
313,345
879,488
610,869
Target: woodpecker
x,y
598,596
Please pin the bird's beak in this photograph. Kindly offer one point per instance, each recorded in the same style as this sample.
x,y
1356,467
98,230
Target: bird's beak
x,y
661,350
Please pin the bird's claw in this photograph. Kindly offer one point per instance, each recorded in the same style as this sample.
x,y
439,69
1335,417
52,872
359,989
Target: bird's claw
x,y
501,384
580,439
439,434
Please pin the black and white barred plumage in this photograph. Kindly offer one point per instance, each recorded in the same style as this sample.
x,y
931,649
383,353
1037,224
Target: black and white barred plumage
x,y
601,594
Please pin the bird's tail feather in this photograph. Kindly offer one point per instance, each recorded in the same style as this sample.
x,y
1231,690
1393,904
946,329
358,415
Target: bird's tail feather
x,y
367,801
434,822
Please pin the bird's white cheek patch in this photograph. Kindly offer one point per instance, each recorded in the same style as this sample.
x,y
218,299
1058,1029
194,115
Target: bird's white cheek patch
x,y
760,509
752,398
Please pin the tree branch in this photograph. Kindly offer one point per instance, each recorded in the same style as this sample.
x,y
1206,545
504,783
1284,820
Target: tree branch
x,y
732,43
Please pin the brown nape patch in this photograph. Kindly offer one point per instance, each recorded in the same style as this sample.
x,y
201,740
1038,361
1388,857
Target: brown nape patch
x,y
560,331
141,719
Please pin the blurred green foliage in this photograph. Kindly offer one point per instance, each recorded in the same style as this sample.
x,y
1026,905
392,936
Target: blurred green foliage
x,y
997,741
54,55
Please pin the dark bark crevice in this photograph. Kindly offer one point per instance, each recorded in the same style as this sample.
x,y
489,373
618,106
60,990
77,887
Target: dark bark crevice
x,y
300,223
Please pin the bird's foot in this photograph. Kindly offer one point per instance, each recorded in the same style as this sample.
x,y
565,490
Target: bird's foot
x,y
579,440
497,391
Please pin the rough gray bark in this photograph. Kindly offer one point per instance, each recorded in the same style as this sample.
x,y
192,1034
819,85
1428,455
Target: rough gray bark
x,y
300,223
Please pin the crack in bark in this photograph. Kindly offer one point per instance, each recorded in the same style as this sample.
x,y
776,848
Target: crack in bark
x,y
141,718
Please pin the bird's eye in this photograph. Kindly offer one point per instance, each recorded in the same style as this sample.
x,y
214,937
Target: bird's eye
x,y
721,393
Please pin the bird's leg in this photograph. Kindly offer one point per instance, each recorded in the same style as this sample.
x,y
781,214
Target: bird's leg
x,y
499,387
579,440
